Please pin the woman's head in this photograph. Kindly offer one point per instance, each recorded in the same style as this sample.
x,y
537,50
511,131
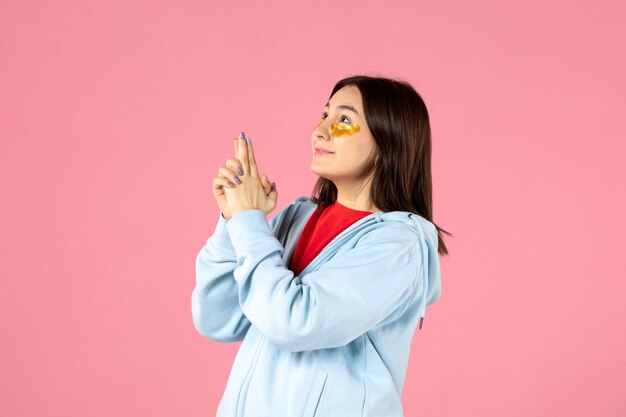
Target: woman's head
x,y
343,132
390,150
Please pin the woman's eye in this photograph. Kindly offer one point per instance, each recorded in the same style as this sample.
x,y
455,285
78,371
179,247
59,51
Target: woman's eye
x,y
324,115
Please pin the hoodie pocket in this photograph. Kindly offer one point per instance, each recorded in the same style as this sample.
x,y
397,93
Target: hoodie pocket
x,y
319,381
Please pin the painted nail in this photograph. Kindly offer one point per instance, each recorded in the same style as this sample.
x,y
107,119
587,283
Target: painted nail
x,y
241,135
248,140
237,179
239,170
231,184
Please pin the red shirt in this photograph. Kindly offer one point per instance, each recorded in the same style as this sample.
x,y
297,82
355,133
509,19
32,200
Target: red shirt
x,y
325,223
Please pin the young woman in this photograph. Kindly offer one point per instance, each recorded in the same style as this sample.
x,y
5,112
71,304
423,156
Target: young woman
x,y
327,295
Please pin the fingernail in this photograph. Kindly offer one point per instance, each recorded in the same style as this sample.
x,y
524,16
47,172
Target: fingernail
x,y
248,140
268,178
240,171
231,184
241,135
237,179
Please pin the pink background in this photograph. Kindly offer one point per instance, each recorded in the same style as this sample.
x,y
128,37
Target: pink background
x,y
114,117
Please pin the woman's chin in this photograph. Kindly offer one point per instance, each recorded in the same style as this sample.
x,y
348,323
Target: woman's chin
x,y
316,169
321,173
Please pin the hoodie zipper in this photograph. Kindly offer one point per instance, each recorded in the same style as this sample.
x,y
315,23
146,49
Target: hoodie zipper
x,y
291,210
243,390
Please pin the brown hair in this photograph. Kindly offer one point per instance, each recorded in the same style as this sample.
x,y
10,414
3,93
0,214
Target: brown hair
x,y
398,120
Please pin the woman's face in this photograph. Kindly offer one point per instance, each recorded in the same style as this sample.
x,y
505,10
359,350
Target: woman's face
x,y
352,148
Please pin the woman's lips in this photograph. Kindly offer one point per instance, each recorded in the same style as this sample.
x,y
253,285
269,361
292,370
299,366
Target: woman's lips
x,y
322,153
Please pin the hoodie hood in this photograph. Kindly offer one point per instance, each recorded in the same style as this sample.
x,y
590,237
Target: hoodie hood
x,y
430,257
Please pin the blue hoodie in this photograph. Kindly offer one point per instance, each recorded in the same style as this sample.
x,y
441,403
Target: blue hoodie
x,y
333,341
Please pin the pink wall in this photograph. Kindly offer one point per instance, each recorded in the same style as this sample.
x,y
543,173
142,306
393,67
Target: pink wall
x,y
114,117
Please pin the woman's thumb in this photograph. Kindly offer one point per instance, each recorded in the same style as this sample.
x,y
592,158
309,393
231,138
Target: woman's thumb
x,y
274,192
265,184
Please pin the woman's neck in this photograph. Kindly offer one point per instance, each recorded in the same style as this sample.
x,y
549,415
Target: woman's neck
x,y
356,197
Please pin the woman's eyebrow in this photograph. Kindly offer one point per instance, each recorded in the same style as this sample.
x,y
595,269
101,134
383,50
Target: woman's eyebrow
x,y
343,106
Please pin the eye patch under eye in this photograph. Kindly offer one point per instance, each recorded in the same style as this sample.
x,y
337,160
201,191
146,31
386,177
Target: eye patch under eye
x,y
337,130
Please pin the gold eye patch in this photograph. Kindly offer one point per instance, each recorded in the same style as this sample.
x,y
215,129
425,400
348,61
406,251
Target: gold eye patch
x,y
337,130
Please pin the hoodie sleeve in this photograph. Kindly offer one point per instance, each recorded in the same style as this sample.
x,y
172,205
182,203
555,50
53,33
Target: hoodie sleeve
x,y
347,296
215,299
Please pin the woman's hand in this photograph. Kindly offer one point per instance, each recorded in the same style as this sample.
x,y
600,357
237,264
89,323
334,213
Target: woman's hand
x,y
250,193
226,179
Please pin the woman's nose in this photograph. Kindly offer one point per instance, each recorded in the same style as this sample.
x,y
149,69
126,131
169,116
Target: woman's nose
x,y
320,131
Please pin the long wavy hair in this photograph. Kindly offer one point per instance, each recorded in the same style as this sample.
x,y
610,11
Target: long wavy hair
x,y
398,120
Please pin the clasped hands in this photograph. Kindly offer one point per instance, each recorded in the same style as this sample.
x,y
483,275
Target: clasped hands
x,y
252,191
